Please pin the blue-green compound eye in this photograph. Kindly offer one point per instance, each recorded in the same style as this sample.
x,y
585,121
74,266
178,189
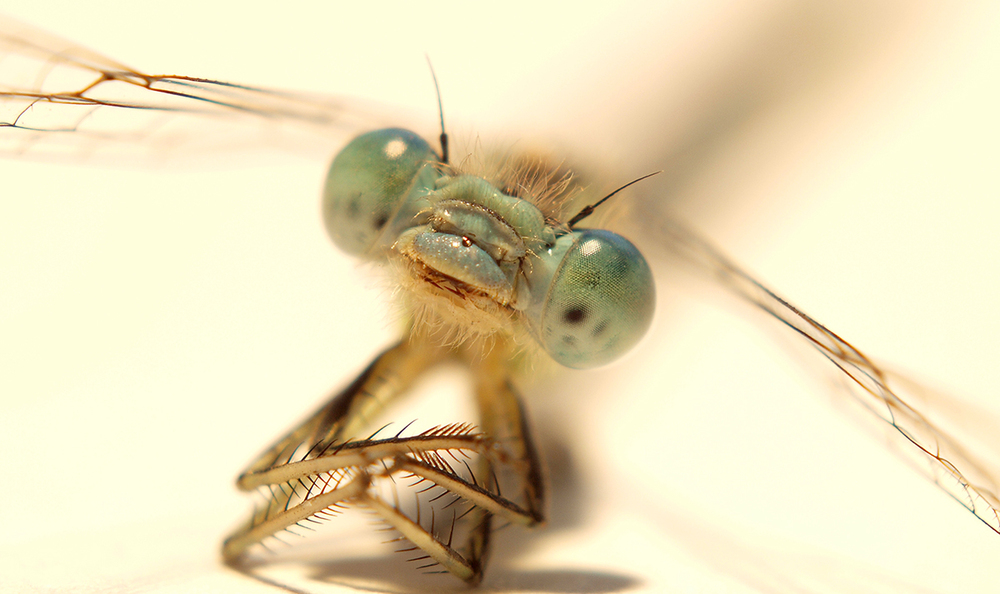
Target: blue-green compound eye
x,y
374,187
599,302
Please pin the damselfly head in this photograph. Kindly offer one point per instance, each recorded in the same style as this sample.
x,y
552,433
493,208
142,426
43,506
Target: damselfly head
x,y
479,255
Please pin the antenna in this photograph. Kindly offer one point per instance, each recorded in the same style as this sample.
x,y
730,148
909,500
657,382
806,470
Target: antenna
x,y
589,210
444,135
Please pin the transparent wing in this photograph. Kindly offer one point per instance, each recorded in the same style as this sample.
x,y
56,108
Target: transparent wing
x,y
60,100
917,434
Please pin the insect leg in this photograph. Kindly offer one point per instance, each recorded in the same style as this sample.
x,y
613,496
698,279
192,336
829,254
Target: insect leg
x,y
318,467
349,475
345,415
503,419
390,374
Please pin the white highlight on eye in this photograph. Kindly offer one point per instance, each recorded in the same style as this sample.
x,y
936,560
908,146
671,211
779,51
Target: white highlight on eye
x,y
590,247
395,148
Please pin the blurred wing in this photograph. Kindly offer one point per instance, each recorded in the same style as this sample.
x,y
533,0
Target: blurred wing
x,y
924,444
60,100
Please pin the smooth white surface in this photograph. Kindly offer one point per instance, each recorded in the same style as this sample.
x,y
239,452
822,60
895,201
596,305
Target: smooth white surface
x,y
160,327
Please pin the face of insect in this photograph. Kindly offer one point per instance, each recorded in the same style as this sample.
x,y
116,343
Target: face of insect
x,y
844,152
479,258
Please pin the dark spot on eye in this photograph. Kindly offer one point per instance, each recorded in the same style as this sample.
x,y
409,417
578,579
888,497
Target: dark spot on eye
x,y
574,315
381,220
569,339
600,328
354,206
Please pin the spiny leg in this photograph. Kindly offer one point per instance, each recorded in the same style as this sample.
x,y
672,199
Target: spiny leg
x,y
503,418
347,474
388,376
316,469
345,415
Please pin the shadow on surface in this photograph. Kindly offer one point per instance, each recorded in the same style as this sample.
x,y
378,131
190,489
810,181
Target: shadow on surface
x,y
378,574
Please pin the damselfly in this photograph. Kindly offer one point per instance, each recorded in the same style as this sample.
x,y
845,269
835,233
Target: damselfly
x,y
220,450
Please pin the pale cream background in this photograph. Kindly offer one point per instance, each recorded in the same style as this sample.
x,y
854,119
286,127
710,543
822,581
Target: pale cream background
x,y
160,327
